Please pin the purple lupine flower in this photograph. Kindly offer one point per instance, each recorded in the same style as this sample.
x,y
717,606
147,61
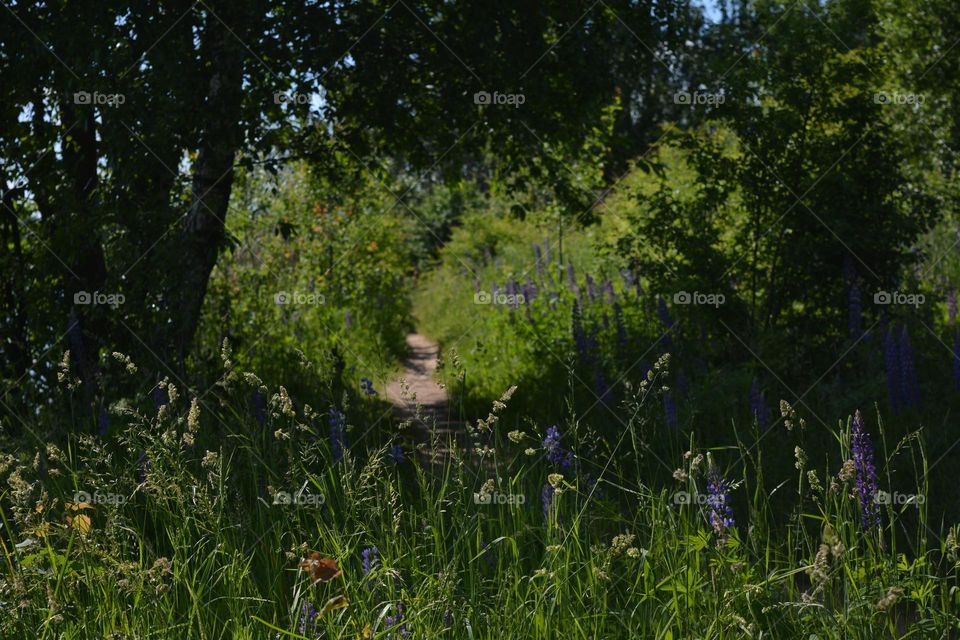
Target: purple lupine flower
x,y
159,395
908,371
854,311
396,625
862,451
891,365
371,559
664,314
758,406
718,499
396,454
952,307
259,407
103,422
580,336
338,435
366,385
670,411
609,292
308,617
591,289
621,328
546,498
556,454
600,387
143,466
490,554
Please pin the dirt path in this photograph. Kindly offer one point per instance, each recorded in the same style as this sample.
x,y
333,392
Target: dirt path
x,y
419,368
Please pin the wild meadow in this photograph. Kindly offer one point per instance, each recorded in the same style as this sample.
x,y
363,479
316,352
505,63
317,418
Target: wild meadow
x,y
415,320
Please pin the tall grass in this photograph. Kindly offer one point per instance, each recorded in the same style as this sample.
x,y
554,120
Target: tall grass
x,y
199,519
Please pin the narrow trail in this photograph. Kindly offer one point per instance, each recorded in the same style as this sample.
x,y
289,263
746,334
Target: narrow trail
x,y
419,368
421,388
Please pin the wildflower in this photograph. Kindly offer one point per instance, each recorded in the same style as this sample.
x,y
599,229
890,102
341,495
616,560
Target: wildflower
x,y
908,371
788,414
282,398
366,385
718,499
259,407
854,311
396,626
848,471
371,559
621,543
555,480
819,570
125,361
211,460
159,395
801,458
680,474
555,453
546,498
814,481
516,436
308,617
866,473
891,365
530,451
193,416
888,601
396,454
758,408
338,436
103,422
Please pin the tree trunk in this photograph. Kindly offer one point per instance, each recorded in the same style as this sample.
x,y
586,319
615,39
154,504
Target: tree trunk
x,y
204,231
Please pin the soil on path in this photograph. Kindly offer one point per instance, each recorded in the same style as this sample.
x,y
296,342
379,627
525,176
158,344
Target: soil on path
x,y
420,365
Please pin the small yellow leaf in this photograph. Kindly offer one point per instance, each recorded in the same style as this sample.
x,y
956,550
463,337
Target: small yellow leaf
x,y
336,602
366,634
81,523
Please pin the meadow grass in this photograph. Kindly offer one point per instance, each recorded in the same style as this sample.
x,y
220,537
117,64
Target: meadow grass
x,y
194,520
